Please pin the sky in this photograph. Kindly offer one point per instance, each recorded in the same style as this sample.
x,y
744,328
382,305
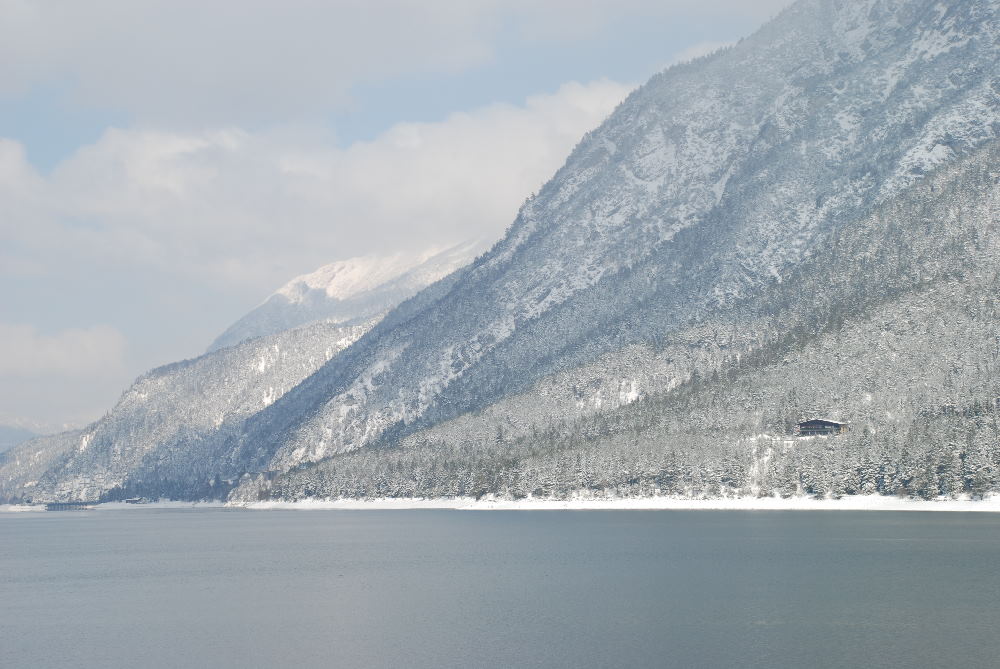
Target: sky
x,y
165,165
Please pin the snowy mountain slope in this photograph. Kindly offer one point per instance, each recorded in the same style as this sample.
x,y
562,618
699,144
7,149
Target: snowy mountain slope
x,y
894,326
712,180
911,289
24,465
159,438
157,430
348,291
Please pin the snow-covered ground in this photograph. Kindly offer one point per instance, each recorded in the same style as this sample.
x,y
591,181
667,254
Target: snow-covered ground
x,y
18,508
851,503
855,503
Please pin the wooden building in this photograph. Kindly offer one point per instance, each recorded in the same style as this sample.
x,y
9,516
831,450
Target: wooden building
x,y
819,427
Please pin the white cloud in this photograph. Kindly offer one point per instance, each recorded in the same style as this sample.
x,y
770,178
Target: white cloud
x,y
219,61
205,63
51,382
76,352
252,209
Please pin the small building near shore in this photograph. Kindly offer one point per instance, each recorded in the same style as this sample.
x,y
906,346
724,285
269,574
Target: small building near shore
x,y
819,427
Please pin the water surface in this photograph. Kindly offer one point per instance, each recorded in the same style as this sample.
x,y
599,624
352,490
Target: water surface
x,y
230,588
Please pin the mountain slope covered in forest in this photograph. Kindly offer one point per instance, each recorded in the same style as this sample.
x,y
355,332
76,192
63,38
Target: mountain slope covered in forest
x,y
893,327
710,183
163,418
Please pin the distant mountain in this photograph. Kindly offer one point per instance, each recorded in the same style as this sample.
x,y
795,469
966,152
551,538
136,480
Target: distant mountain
x,y
348,291
166,415
803,225
12,436
174,412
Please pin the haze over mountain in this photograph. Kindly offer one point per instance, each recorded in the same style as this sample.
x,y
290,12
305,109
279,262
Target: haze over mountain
x,y
751,238
11,436
347,291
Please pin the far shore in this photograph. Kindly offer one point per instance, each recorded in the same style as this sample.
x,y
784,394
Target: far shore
x,y
848,503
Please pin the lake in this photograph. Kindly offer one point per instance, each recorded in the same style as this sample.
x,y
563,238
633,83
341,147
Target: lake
x,y
233,588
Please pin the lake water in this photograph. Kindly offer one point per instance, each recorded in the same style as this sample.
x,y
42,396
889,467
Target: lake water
x,y
230,588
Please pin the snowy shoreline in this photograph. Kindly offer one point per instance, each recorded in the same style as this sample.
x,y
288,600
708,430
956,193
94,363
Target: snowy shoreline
x,y
852,503
849,503
116,506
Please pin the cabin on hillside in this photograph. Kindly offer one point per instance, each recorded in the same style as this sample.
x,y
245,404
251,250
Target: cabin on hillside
x,y
819,427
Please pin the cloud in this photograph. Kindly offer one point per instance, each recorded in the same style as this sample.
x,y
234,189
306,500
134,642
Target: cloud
x,y
219,61
51,382
75,352
171,235
249,210
205,63
584,19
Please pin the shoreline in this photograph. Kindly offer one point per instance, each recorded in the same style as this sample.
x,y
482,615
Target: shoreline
x,y
117,506
849,503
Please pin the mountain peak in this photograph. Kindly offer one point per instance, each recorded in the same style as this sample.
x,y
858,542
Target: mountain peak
x,y
344,279
349,291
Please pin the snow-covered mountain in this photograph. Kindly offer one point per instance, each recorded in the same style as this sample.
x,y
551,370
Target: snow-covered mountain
x,y
348,291
160,432
736,215
708,183
892,327
160,423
